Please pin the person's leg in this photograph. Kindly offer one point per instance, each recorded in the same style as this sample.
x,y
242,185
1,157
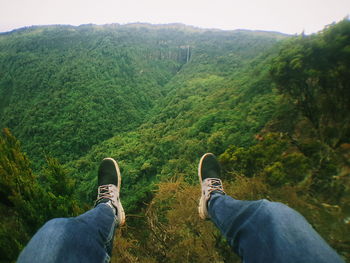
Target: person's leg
x,y
259,231
263,231
88,237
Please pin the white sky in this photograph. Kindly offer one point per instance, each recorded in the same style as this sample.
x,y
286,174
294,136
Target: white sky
x,y
287,16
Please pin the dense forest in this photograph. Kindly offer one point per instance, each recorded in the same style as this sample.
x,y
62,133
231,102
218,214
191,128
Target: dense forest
x,y
274,108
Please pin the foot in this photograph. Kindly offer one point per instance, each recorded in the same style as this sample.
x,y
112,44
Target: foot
x,y
209,173
109,180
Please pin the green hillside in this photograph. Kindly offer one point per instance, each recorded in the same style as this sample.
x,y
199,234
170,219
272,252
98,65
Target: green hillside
x,y
274,108
65,89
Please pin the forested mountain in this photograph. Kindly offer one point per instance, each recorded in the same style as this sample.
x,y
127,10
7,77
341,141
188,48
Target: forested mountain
x,y
57,79
274,108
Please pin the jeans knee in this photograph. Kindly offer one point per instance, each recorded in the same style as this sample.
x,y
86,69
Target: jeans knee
x,y
55,225
276,209
274,205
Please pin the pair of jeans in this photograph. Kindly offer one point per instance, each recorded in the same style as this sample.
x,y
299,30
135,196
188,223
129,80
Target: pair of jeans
x,y
258,231
85,238
264,231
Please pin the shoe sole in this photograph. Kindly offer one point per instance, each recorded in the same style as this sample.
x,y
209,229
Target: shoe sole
x,y
202,213
120,209
200,166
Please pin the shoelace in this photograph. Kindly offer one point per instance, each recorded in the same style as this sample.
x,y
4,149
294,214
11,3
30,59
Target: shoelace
x,y
104,192
214,184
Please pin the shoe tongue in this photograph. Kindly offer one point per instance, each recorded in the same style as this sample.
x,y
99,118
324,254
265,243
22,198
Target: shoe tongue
x,y
216,183
104,190
213,181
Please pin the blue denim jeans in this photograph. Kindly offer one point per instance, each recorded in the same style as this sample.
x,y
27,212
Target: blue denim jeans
x,y
258,231
86,238
263,231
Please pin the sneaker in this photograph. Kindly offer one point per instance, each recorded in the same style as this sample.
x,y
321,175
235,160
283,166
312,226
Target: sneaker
x,y
209,173
109,180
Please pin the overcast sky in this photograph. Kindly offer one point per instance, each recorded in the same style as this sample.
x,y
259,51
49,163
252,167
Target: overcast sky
x,y
287,16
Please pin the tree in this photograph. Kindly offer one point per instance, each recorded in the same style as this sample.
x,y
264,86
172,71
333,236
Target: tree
x,y
314,72
21,198
25,204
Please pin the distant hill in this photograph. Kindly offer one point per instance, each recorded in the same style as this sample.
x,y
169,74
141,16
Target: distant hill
x,y
63,88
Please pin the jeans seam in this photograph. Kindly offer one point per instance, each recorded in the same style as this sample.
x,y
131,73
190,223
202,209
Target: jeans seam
x,y
110,237
111,232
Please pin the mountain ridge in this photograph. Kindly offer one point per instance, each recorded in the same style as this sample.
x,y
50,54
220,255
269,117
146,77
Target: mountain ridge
x,y
179,26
